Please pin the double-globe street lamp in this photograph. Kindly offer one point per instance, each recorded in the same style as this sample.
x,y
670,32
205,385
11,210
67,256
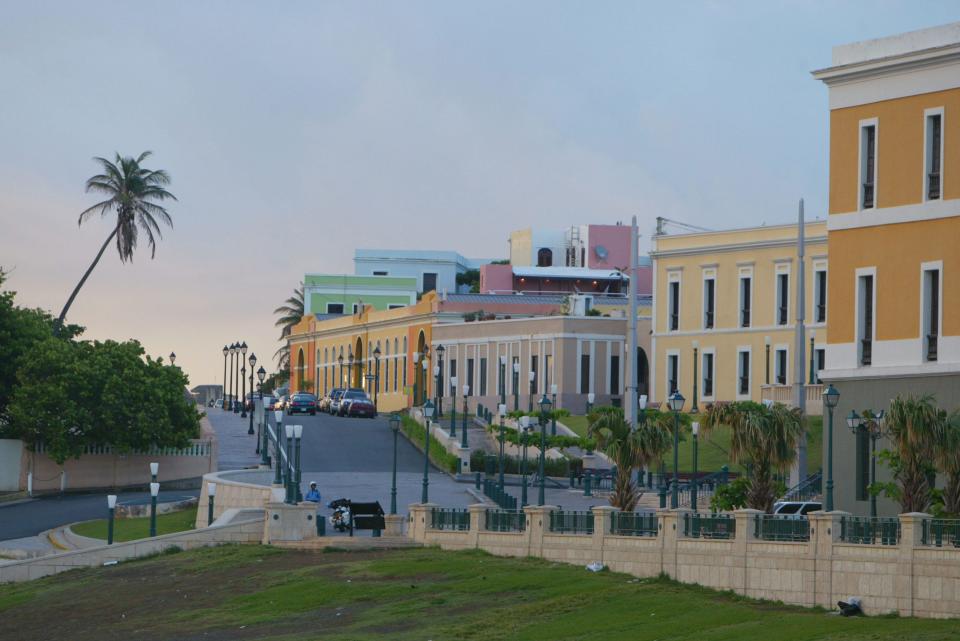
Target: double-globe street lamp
x,y
869,423
253,361
676,402
545,407
831,396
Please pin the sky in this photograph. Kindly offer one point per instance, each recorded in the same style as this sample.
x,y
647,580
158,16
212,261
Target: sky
x,y
295,132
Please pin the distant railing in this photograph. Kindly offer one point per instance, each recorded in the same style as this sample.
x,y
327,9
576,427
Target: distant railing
x,y
491,489
870,531
806,489
813,395
196,448
634,523
568,522
776,527
442,518
709,526
933,185
505,521
941,532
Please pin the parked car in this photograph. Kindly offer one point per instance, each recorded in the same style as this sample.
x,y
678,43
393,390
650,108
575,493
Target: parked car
x,y
218,403
268,401
355,402
798,508
302,403
281,402
335,396
324,403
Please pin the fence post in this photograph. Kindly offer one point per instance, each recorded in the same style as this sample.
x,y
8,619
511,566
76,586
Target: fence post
x,y
538,522
478,513
417,527
670,524
602,515
745,519
824,531
911,533
586,484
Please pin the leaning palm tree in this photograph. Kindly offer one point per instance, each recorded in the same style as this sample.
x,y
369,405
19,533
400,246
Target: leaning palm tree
x,y
291,313
133,193
912,424
765,438
628,448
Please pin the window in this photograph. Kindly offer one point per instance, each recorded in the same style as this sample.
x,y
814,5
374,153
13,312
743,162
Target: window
x,y
862,465
673,305
743,373
615,374
820,356
781,366
865,322
381,273
745,295
470,375
515,371
931,312
707,368
404,364
386,369
396,361
547,361
820,296
783,298
673,372
356,307
585,373
709,291
544,257
533,368
868,169
453,373
395,306
429,282
334,308
934,155
483,377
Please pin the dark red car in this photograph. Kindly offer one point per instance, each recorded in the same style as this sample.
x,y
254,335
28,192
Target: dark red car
x,y
357,403
302,403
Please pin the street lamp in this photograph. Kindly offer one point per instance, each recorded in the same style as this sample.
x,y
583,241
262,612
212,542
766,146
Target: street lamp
x,y
376,376
253,361
553,417
297,436
241,352
428,415
453,407
340,361
872,424
425,365
463,427
111,509
262,448
545,406
676,401
532,390
288,443
173,358
590,398
438,371
350,369
695,429
831,396
223,393
525,428
502,409
641,421
395,428
278,421
154,490
211,492
503,380
516,385
696,348
233,360
154,470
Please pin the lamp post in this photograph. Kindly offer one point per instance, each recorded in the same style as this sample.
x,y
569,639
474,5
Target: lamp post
x,y
425,366
253,361
173,359
524,433
463,426
395,428
262,448
766,342
545,406
297,436
241,352
516,385
243,382
211,492
436,388
696,349
503,413
438,370
453,407
233,359
641,421
676,401
154,490
223,393
350,369
340,361
695,429
111,510
553,417
376,376
872,423
154,470
831,397
590,398
813,377
428,415
503,380
288,443
277,470
531,390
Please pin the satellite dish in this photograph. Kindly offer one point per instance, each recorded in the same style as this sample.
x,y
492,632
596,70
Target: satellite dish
x,y
601,252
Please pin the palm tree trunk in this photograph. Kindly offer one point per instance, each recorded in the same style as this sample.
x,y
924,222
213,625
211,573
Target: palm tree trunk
x,y
76,290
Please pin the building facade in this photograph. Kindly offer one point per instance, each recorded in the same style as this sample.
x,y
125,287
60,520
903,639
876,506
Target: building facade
x,y
725,308
432,270
346,294
894,229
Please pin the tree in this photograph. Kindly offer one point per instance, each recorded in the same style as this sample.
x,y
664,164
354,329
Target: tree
x,y
948,460
74,394
291,313
133,194
913,424
629,448
471,278
763,438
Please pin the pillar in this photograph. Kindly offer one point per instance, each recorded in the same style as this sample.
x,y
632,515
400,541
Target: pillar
x,y
538,522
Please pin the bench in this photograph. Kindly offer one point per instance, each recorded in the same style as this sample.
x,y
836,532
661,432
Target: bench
x,y
366,516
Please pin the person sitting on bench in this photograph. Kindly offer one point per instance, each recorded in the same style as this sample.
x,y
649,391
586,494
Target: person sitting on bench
x,y
314,494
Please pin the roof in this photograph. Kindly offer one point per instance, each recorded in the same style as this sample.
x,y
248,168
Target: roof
x,y
539,299
568,272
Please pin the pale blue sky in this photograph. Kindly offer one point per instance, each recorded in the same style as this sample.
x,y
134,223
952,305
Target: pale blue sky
x,y
297,131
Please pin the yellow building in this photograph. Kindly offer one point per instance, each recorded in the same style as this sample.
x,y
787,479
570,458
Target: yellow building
x,y
725,306
894,230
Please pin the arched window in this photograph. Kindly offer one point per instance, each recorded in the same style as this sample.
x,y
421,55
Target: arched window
x,y
544,257
300,370
396,363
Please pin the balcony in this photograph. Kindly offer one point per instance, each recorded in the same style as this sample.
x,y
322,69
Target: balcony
x,y
867,195
931,347
813,395
933,185
708,320
866,351
744,318
782,315
674,322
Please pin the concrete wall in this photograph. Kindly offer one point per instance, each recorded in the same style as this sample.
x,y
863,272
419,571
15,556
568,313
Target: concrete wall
x,y
243,528
230,495
11,453
908,578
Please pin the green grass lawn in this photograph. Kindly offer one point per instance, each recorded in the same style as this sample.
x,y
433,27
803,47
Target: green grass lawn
x,y
138,528
714,448
257,593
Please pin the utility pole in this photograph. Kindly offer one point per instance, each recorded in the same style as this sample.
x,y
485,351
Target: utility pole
x,y
799,472
631,409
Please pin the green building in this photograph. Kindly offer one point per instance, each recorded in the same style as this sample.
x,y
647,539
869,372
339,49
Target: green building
x,y
343,293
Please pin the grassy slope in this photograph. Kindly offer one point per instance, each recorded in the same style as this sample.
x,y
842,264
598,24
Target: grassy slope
x,y
714,448
138,528
252,592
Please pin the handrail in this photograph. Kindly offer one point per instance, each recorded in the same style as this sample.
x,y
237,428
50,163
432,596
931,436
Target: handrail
x,y
805,489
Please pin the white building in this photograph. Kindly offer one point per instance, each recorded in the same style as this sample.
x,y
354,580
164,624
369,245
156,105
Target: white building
x,y
434,270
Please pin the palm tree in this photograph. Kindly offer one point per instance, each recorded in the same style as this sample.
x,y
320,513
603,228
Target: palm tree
x,y
912,425
291,313
765,438
629,448
133,193
948,460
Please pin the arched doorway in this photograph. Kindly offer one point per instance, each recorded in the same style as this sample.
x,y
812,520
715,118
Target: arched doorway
x,y
357,364
544,257
300,370
643,372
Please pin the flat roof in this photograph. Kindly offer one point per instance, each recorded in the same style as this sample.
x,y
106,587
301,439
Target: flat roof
x,y
897,45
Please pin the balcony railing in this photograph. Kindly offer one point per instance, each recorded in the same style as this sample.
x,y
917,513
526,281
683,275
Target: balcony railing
x,y
633,523
567,522
866,351
867,195
775,527
744,385
933,185
931,347
449,519
870,531
782,315
813,395
821,313
744,318
674,322
708,320
709,526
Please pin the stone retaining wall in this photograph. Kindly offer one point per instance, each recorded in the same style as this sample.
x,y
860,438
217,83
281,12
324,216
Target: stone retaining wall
x,y
231,495
909,578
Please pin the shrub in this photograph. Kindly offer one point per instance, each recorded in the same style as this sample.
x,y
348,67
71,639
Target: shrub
x,y
438,454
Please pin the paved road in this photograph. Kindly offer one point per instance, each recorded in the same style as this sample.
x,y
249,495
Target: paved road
x,y
236,447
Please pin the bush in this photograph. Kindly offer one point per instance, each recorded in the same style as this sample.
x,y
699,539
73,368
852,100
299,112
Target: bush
x,y
552,467
559,441
438,454
554,414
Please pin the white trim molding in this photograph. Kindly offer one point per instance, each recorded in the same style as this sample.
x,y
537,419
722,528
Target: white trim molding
x,y
930,210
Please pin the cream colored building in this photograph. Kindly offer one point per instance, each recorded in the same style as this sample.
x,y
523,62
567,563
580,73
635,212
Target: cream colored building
x,y
730,298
